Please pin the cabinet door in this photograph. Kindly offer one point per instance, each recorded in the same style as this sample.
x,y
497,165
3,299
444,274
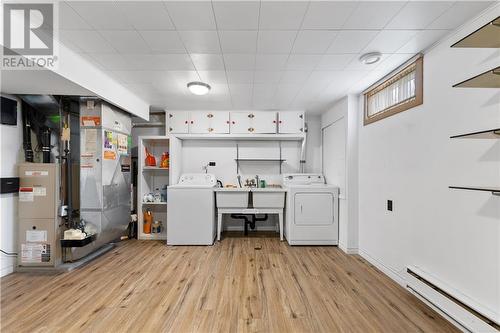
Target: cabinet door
x,y
178,122
219,122
264,122
199,122
313,208
291,122
241,122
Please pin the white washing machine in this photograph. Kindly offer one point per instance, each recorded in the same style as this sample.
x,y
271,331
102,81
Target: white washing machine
x,y
191,210
311,216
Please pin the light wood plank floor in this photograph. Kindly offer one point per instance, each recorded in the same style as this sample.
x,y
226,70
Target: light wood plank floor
x,y
238,285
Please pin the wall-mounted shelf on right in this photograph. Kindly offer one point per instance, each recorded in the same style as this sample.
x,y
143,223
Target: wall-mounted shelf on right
x,y
488,36
493,189
488,79
488,134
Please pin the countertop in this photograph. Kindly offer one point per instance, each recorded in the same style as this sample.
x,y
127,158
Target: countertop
x,y
249,189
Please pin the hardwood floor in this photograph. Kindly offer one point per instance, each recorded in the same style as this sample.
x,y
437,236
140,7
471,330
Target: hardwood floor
x,y
238,285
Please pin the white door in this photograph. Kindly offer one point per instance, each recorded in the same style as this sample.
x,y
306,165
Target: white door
x,y
263,122
178,122
219,122
241,122
199,122
314,208
291,122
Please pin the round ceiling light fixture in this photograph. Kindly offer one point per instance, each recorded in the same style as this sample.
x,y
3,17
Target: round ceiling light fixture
x,y
198,88
370,58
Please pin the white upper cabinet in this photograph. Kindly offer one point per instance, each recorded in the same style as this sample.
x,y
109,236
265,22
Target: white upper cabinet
x,y
178,122
291,122
253,122
209,122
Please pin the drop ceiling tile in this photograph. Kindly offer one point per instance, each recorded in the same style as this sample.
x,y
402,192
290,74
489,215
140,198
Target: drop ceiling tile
x,y
180,78
357,65
281,15
287,90
137,77
110,62
393,61
147,15
275,41
126,42
459,13
264,91
373,14
418,14
388,41
327,14
422,41
207,62
268,77
191,15
334,61
273,62
289,77
351,41
313,41
201,41
239,61
69,19
302,61
213,77
102,15
239,77
236,15
241,90
166,62
88,41
238,41
161,41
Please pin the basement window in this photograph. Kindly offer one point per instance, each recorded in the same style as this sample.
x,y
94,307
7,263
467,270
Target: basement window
x,y
399,91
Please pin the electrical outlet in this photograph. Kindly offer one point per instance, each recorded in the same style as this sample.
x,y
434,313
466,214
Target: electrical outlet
x,y
389,205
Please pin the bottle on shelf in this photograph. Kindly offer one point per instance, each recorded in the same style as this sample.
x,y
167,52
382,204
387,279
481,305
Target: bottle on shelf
x,y
148,221
150,159
165,159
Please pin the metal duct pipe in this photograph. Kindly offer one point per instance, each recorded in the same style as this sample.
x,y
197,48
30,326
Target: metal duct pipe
x,y
45,138
28,149
303,153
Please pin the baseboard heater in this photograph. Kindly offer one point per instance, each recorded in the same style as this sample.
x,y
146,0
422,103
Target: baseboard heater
x,y
464,314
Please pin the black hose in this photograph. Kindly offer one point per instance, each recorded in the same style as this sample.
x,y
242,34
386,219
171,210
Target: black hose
x,y
10,254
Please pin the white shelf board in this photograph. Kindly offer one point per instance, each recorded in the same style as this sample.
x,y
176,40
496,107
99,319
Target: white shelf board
x,y
160,236
251,137
148,168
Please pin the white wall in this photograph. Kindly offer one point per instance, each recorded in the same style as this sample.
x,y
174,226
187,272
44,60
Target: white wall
x,y
453,235
344,113
313,144
12,153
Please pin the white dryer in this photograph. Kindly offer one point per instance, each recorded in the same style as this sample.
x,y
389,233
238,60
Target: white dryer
x,y
191,210
311,216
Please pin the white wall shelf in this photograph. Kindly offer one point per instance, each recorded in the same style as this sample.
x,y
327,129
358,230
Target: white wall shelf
x,y
493,189
488,79
488,36
488,134
242,137
149,179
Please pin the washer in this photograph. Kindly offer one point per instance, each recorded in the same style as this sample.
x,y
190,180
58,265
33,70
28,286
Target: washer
x,y
311,215
191,210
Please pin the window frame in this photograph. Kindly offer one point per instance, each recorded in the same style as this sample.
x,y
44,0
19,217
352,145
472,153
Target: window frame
x,y
418,62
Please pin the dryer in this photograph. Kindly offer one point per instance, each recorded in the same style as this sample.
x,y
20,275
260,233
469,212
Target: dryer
x,y
311,215
191,210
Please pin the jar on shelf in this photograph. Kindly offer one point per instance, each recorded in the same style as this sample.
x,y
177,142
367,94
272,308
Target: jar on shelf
x,y
147,221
